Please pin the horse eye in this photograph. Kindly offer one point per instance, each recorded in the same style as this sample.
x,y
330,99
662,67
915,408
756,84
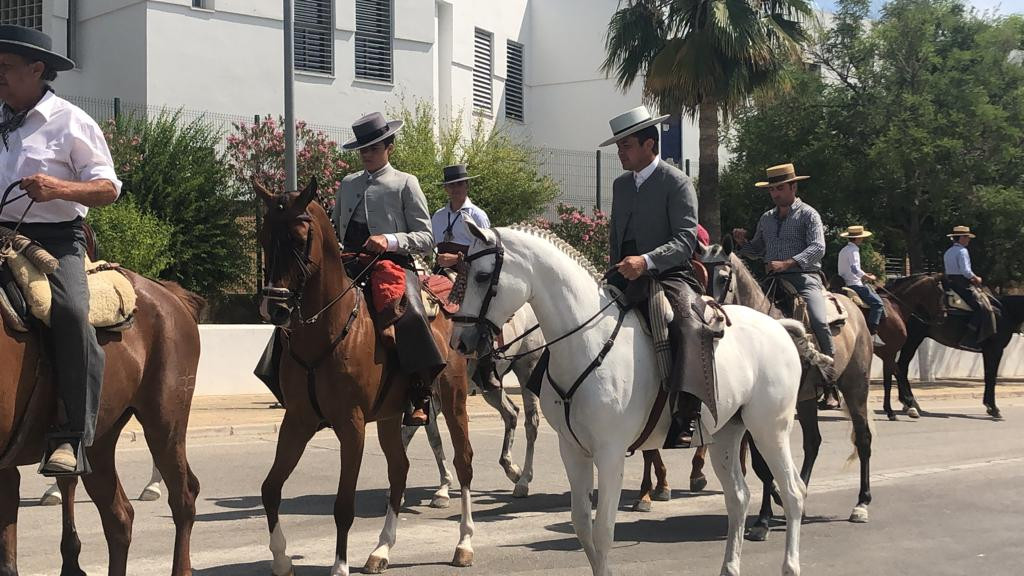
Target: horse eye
x,y
483,277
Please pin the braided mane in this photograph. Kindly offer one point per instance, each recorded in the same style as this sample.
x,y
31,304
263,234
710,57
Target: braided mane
x,y
562,246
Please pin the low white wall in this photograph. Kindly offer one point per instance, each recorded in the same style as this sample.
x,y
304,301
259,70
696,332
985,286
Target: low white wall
x,y
937,362
230,353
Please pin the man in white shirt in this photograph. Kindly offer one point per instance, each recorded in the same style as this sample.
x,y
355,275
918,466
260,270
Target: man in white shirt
x,y
854,276
59,155
962,280
449,223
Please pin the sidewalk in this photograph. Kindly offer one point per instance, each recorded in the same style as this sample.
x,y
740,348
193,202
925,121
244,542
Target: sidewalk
x,y
253,415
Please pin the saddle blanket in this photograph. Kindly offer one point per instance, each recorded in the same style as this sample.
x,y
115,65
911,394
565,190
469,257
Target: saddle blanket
x,y
112,298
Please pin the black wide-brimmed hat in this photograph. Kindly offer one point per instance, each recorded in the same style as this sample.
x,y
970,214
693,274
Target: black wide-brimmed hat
x,y
32,44
371,129
456,173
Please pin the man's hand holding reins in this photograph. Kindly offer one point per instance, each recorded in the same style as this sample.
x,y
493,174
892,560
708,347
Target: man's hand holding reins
x,y
632,267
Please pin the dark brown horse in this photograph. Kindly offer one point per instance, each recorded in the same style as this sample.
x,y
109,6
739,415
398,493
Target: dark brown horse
x,y
350,380
150,373
950,333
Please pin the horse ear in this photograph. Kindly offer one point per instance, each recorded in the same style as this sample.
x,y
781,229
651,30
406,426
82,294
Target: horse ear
x,y
307,195
262,192
727,244
482,234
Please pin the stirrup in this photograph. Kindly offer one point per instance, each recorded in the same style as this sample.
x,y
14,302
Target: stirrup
x,y
407,417
53,441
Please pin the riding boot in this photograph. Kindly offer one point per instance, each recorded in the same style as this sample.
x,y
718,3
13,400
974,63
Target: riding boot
x,y
685,422
419,401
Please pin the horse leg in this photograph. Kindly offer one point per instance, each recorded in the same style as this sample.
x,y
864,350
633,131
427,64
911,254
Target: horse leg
x,y
70,545
441,497
291,443
914,340
501,402
992,356
758,531
579,469
531,404
643,502
389,435
698,481
609,482
776,454
10,500
807,413
888,365
855,393
152,490
725,458
116,513
662,492
457,418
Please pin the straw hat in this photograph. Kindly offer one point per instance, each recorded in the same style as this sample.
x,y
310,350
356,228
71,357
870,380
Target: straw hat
x,y
961,231
780,174
855,232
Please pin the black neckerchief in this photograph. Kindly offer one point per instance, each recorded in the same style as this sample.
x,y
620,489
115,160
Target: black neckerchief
x,y
448,236
13,120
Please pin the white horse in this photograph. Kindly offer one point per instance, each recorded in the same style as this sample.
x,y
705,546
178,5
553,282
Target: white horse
x,y
758,369
527,345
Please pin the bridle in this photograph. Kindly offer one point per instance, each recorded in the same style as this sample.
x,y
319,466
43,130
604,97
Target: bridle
x,y
480,319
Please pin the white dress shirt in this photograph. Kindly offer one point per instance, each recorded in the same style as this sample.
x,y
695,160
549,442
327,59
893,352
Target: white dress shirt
x,y
849,265
60,140
456,219
957,261
641,177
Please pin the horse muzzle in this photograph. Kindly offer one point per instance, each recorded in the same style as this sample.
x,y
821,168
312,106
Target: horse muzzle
x,y
471,341
277,305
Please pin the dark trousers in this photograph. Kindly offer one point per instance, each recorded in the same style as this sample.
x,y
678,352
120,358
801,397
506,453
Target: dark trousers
x,y
76,355
963,288
877,307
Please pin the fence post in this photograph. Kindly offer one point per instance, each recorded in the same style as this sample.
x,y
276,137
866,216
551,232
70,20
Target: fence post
x,y
686,163
597,155
117,108
256,119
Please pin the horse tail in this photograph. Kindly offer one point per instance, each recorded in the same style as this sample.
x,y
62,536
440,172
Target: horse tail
x,y
192,301
808,351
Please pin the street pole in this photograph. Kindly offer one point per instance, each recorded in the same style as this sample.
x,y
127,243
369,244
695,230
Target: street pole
x,y
290,178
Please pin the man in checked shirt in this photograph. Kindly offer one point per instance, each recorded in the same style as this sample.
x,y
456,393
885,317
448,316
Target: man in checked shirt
x,y
790,240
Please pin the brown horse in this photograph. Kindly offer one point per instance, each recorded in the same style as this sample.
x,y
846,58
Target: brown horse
x,y
150,373
921,299
334,372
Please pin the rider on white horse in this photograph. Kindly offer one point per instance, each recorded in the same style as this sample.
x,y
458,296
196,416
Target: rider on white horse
x,y
654,235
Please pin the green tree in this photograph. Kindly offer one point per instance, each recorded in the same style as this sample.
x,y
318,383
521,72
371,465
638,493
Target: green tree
x,y
173,170
704,58
509,187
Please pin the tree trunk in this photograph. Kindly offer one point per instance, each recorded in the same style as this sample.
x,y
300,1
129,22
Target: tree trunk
x,y
915,245
709,208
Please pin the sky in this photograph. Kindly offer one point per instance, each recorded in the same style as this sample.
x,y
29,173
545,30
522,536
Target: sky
x,y
1004,6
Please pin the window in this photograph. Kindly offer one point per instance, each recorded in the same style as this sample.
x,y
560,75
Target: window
x,y
27,13
373,40
202,4
72,31
514,83
483,71
314,36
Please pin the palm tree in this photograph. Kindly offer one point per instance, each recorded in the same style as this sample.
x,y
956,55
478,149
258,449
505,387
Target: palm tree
x,y
704,58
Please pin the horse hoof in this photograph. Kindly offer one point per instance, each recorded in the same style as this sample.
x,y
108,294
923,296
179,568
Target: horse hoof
x,y
514,474
51,499
521,491
891,416
150,494
642,506
913,413
994,412
440,502
699,483
664,494
859,515
463,558
757,533
375,565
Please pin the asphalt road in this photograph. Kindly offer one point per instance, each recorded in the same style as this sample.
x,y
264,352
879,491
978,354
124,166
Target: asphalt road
x,y
947,500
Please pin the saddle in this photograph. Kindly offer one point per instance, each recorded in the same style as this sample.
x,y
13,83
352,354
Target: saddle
x,y
955,303
854,297
436,289
26,291
836,317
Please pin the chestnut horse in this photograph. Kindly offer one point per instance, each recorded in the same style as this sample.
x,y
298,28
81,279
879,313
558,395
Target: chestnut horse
x,y
150,373
334,372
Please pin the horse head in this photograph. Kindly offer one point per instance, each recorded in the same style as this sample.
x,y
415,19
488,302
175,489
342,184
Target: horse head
x,y
291,254
489,298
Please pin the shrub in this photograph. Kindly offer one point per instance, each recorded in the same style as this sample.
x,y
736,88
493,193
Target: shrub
x,y
131,237
171,169
588,234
